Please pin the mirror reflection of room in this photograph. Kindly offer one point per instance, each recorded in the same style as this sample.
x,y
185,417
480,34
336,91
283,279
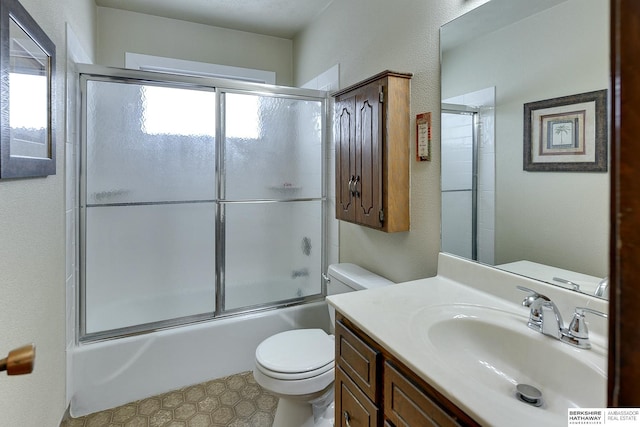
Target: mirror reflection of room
x,y
548,225
28,83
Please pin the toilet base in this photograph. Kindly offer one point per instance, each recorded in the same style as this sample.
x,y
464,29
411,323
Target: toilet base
x,y
297,413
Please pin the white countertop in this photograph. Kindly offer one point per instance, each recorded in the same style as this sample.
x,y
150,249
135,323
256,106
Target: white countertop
x,y
388,315
547,273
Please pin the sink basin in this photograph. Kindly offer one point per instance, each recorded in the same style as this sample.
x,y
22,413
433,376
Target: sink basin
x,y
493,350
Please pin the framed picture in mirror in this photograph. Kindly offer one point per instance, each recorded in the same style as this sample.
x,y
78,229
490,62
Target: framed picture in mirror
x,y
566,134
27,64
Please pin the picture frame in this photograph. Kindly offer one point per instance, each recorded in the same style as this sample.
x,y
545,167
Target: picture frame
x,y
566,134
27,73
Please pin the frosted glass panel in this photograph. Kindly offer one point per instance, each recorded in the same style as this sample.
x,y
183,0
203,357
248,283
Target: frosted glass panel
x,y
149,143
152,171
457,223
457,151
273,252
148,263
273,147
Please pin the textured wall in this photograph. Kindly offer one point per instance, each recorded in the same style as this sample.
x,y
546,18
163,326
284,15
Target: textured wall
x,y
32,250
122,31
366,37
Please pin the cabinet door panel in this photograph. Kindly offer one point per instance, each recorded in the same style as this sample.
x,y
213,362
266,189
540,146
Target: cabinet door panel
x,y
345,135
352,406
369,161
406,405
358,360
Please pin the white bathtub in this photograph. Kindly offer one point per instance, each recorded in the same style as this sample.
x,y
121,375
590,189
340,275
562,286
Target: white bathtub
x,y
111,373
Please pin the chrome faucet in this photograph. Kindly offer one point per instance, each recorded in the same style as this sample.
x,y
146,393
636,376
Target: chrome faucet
x,y
578,334
574,285
602,290
545,318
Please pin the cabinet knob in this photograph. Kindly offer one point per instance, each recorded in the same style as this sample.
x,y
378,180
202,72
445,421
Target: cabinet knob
x,y
19,361
347,418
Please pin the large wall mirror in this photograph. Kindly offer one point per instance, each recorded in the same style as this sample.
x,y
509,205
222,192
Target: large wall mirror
x,y
549,225
27,64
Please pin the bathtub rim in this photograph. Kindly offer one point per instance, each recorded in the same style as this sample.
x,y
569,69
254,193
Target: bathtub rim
x,y
178,322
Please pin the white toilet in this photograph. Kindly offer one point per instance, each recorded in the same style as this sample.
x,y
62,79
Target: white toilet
x,y
299,367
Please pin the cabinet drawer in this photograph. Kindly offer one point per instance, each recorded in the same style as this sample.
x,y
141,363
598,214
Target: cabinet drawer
x,y
358,360
405,405
352,405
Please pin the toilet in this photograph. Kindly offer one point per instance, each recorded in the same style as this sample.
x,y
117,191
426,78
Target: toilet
x,y
298,366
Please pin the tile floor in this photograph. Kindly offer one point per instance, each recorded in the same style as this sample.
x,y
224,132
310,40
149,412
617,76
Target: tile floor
x,y
234,401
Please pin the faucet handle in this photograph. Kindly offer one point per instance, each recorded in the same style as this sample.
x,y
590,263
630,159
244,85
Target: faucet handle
x,y
574,285
532,301
602,290
577,334
531,298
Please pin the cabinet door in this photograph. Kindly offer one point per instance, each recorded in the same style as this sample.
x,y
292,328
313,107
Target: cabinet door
x,y
407,406
353,408
358,360
368,168
345,145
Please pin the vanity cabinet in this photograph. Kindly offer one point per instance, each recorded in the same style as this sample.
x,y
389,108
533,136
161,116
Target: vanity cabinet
x,y
371,135
373,388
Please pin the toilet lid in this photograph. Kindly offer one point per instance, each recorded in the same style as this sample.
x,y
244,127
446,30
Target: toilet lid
x,y
300,350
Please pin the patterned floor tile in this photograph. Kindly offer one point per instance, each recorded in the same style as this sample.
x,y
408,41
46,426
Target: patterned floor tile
x,y
232,401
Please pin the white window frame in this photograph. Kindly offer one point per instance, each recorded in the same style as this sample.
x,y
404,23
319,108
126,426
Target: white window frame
x,y
138,61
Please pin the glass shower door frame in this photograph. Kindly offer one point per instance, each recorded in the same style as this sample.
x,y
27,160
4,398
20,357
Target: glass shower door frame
x,y
220,86
473,115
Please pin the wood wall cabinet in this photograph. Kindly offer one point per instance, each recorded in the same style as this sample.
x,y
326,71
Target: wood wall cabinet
x,y
373,388
371,135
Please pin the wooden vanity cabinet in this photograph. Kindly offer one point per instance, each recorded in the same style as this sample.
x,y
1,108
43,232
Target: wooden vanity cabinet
x,y
373,388
358,374
371,135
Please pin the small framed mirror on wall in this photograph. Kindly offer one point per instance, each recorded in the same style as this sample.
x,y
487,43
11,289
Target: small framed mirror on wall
x,y
27,64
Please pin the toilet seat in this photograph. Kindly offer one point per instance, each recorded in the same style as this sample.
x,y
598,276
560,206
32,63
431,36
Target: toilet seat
x,y
296,354
296,375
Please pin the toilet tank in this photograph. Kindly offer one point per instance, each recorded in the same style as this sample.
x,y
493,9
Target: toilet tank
x,y
346,277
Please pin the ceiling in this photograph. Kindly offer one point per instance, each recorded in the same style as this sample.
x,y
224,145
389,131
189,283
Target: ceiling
x,y
279,18
490,17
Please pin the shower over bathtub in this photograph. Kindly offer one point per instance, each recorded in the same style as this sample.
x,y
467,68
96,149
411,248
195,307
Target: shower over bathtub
x,y
201,221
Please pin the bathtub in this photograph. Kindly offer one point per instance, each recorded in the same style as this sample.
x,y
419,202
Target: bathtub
x,y
111,373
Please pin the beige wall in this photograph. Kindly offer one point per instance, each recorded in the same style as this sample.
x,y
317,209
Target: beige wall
x,y
366,37
32,250
122,31
363,36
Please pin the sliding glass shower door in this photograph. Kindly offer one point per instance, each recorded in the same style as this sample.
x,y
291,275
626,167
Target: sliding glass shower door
x,y
272,198
150,203
197,201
